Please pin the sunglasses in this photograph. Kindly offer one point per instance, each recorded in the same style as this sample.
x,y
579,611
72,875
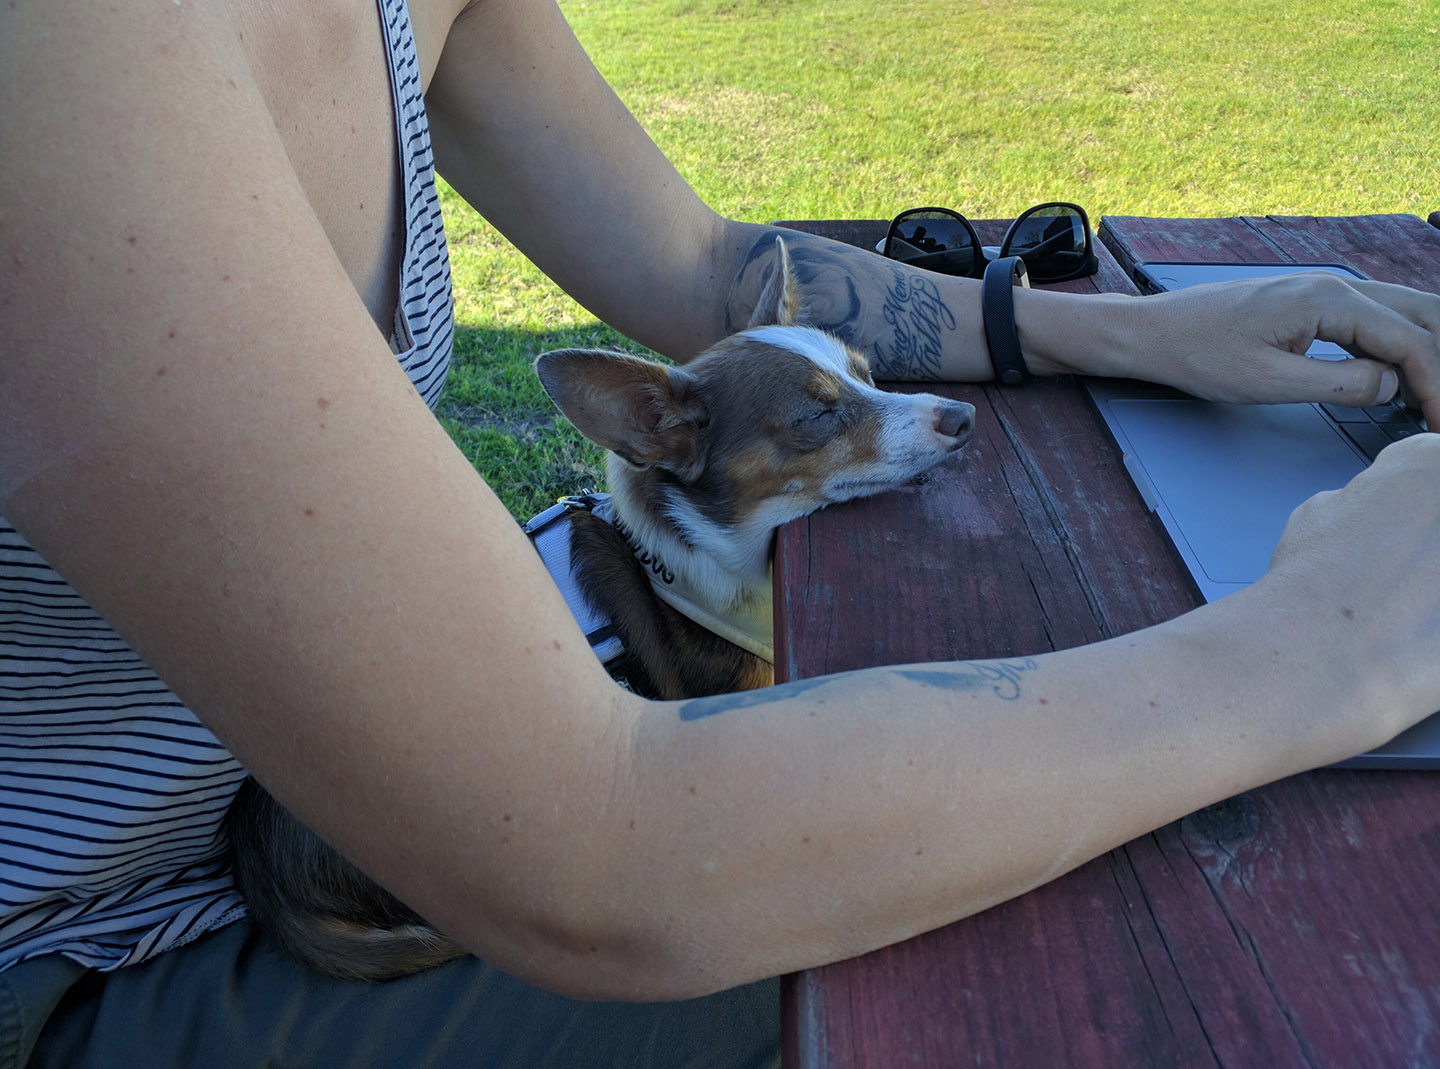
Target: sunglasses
x,y
1053,239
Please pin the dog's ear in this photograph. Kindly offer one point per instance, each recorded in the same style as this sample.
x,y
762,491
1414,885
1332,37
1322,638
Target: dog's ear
x,y
643,411
779,303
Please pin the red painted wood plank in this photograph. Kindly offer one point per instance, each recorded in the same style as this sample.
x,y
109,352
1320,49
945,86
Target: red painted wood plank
x,y
1076,990
1326,882
1392,248
1008,586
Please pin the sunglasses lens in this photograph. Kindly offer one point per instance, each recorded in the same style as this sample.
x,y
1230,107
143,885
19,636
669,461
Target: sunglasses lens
x,y
937,241
1053,240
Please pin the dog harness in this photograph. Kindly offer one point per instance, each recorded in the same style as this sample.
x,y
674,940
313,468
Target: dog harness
x,y
750,629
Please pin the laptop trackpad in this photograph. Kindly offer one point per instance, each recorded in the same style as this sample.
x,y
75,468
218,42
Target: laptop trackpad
x,y
1230,475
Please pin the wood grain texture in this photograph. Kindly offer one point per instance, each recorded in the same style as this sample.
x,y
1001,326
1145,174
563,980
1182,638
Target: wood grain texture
x,y
1292,925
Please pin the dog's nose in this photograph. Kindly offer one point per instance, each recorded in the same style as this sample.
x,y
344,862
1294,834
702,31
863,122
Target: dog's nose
x,y
954,419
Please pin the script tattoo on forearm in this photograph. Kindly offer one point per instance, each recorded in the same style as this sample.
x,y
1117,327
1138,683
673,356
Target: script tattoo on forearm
x,y
1002,678
919,319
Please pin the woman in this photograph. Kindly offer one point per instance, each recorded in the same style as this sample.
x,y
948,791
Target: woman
x,y
217,236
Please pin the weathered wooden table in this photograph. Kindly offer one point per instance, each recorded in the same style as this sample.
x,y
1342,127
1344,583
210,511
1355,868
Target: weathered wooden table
x,y
1298,924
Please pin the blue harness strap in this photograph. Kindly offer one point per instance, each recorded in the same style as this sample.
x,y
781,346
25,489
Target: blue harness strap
x,y
550,534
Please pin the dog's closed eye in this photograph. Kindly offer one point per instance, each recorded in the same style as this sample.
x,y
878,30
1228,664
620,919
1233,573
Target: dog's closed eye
x,y
811,416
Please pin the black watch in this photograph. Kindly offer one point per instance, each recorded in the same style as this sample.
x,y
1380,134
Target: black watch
x,y
997,301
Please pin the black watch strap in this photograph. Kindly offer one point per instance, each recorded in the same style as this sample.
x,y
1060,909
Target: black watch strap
x,y
997,301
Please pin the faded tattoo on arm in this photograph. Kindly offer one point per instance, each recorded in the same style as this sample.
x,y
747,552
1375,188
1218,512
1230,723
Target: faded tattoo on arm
x,y
1003,679
898,316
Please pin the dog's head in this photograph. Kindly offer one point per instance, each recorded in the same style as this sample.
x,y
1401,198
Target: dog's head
x,y
765,426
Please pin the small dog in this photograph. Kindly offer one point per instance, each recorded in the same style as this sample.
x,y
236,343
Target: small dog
x,y
706,461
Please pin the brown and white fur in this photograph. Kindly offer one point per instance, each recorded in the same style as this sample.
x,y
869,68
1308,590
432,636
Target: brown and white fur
x,y
706,461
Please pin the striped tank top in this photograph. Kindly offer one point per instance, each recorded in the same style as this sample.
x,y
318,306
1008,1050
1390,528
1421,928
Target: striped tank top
x,y
112,794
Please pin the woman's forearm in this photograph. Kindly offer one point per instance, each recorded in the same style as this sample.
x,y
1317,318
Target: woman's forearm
x,y
765,831
920,326
1240,341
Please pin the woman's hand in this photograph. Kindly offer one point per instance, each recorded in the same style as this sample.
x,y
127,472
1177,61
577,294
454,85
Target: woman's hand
x,y
1245,341
1366,559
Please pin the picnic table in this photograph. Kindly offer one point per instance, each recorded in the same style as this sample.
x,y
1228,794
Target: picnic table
x,y
1295,924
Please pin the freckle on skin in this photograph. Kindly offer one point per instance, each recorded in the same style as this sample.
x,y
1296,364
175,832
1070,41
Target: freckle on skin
x,y
309,512
322,404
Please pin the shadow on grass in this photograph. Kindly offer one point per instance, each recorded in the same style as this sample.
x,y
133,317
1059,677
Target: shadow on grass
x,y
495,410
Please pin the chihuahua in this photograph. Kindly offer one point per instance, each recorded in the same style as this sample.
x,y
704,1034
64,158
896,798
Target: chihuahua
x,y
705,462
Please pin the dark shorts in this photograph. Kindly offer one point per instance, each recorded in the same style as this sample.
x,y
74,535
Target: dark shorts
x,y
232,999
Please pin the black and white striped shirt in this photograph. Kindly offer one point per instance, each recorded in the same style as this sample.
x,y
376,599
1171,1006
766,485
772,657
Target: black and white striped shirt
x,y
112,794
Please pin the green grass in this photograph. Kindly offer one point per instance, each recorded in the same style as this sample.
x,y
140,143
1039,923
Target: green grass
x,y
844,108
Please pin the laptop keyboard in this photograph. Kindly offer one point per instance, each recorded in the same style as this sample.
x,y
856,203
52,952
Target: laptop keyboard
x,y
1372,429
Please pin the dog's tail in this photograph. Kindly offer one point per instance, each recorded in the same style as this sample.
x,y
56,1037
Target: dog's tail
x,y
320,907
351,951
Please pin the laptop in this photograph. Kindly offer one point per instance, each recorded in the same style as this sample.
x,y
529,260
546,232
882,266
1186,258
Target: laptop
x,y
1223,479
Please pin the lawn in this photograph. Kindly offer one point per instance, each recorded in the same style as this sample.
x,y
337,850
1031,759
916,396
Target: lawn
x,y
844,108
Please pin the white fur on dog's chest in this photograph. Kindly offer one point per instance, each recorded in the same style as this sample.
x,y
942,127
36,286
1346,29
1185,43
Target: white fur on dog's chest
x,y
748,624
